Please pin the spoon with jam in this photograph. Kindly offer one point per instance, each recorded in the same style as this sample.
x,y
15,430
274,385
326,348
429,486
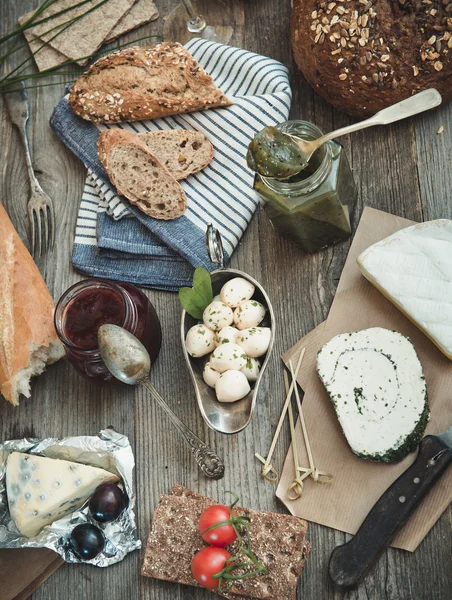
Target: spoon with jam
x,y
128,360
278,155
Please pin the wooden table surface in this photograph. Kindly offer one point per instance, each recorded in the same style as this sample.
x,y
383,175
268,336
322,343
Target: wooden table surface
x,y
405,169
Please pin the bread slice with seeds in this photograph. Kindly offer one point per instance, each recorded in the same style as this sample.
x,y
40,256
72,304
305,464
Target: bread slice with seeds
x,y
138,175
182,152
144,83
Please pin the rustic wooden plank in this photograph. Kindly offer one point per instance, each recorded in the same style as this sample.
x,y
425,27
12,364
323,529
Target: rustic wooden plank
x,y
36,567
406,170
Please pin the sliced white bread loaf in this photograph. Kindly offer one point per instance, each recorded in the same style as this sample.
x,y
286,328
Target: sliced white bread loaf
x,y
182,152
138,175
144,83
28,340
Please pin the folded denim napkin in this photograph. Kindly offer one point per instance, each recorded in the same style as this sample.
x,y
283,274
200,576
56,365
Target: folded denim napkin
x,y
114,239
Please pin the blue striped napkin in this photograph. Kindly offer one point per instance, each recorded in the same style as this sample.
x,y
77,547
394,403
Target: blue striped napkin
x,y
116,240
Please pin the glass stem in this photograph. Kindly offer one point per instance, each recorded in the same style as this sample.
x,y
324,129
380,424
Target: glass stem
x,y
197,23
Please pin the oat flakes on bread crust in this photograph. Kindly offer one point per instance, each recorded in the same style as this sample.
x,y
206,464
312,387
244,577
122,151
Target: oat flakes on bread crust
x,y
278,540
138,175
144,83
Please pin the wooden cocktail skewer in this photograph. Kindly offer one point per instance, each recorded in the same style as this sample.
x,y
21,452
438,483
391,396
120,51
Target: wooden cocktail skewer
x,y
318,476
268,467
295,489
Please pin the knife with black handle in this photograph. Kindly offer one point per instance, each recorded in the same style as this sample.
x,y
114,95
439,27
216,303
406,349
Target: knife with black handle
x,y
350,562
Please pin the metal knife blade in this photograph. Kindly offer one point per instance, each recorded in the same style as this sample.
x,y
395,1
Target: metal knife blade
x,y
350,562
446,437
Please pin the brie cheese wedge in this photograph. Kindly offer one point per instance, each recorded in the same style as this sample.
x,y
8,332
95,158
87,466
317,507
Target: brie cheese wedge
x,y
376,383
413,269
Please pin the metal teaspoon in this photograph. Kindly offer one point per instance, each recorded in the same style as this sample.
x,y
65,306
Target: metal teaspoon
x,y
274,153
128,360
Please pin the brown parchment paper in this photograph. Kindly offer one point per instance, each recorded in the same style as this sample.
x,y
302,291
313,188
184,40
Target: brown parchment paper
x,y
358,483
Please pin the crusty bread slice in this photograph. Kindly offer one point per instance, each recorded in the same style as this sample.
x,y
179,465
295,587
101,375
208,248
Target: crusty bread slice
x,y
138,175
144,83
182,152
28,341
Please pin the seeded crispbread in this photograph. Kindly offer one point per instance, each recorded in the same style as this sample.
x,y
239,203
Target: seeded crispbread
x,y
144,83
84,36
142,12
183,152
46,57
278,541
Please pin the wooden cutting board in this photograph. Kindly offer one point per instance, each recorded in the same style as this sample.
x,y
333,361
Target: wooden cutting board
x,y
23,571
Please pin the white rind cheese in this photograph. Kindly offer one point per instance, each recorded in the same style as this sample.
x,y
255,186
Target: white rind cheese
x,y
376,383
413,269
42,490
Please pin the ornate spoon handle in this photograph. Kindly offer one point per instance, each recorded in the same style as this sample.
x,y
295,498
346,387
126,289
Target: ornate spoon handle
x,y
209,462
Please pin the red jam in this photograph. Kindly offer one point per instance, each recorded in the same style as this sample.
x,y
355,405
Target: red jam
x,y
86,306
88,311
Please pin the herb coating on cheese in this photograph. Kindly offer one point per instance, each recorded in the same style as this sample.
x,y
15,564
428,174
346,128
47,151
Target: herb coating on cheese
x,y
376,384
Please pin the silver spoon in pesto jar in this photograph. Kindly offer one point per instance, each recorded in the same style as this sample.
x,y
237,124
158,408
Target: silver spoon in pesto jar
x,y
278,155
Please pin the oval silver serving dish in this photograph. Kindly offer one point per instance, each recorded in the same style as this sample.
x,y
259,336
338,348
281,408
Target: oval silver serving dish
x,y
235,416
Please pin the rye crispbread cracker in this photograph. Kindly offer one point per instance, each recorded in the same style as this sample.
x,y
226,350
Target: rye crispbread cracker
x,y
46,57
84,36
142,12
277,540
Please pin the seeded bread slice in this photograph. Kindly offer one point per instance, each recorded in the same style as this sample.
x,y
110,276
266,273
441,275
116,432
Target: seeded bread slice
x,y
138,175
144,83
181,152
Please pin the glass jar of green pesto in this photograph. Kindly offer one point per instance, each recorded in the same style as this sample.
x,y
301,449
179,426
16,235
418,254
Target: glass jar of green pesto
x,y
314,207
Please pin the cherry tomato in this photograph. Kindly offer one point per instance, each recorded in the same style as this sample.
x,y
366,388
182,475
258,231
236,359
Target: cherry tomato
x,y
206,563
220,536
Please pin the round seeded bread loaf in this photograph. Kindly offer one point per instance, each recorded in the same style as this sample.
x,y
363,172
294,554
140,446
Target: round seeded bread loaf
x,y
364,55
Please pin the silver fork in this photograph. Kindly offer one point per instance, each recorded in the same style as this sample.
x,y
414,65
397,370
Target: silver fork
x,y
41,213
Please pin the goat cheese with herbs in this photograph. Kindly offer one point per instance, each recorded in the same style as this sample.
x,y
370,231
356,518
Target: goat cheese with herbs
x,y
376,384
42,490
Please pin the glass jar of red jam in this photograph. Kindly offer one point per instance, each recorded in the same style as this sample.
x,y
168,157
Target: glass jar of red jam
x,y
87,305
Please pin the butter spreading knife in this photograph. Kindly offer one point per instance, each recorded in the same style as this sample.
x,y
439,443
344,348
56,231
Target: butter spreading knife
x,y
350,562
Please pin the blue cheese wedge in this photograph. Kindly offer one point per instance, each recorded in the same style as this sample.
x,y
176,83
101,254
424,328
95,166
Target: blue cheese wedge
x,y
375,381
413,269
42,490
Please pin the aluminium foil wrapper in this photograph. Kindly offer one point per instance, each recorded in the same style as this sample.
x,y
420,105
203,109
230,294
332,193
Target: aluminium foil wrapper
x,y
108,450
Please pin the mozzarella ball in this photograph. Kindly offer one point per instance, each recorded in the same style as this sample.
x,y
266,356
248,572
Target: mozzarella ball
x,y
236,290
226,335
248,314
200,341
255,341
210,376
228,356
232,386
217,315
252,369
